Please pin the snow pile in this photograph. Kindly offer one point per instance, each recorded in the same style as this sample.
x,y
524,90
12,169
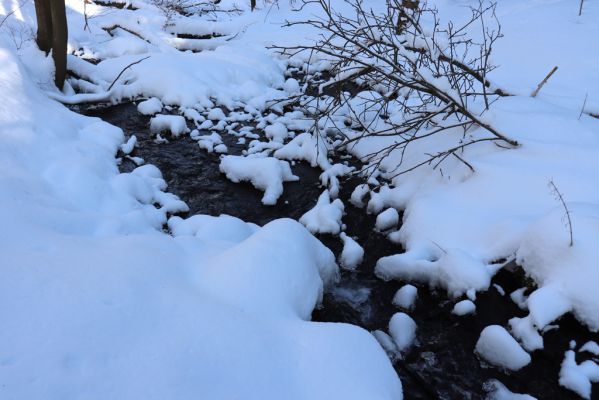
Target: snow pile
x,y
352,253
308,148
578,377
387,219
98,302
402,329
325,217
175,124
150,107
267,174
464,307
454,270
496,346
405,297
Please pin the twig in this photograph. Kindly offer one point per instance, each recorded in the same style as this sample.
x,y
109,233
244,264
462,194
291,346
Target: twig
x,y
559,197
543,82
580,8
584,103
12,12
124,69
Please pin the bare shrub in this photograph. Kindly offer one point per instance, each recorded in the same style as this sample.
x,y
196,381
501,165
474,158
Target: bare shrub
x,y
426,77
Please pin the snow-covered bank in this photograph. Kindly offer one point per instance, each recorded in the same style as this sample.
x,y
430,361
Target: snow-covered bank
x,y
97,302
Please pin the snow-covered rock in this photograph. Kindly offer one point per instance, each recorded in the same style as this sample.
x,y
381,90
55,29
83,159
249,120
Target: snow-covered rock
x,y
499,348
150,106
578,377
325,216
402,329
464,307
387,219
352,253
405,297
267,174
175,124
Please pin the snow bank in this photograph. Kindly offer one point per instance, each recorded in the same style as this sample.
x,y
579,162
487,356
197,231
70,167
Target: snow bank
x,y
267,174
496,346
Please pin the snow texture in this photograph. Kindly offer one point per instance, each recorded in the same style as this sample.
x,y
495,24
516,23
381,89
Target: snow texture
x,y
578,377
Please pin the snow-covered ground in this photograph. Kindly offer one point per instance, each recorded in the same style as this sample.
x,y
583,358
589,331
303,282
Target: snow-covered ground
x,y
99,302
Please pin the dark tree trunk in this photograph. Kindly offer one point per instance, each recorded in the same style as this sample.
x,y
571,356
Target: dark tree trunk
x,y
44,25
59,40
52,34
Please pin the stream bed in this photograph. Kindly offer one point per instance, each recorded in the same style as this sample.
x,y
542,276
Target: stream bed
x,y
441,364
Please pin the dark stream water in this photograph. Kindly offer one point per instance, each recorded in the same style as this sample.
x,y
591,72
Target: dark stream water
x,y
441,365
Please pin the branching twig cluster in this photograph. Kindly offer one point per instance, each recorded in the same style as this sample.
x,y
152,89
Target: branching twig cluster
x,y
426,78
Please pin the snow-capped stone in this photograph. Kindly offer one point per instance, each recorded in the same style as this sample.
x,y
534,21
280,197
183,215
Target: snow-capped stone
x,y
496,346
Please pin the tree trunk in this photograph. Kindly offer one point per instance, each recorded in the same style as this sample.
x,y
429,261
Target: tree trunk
x,y
44,25
59,40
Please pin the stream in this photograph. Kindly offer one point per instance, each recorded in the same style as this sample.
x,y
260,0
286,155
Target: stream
x,y
441,364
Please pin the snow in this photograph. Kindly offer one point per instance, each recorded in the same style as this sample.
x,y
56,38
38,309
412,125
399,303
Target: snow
x,y
454,270
402,329
129,145
325,217
97,301
352,253
496,346
405,297
524,330
175,124
464,307
216,114
277,132
498,391
387,219
357,196
590,347
150,107
578,377
267,174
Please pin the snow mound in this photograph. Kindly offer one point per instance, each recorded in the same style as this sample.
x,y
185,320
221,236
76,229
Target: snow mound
x,y
498,347
578,377
175,124
352,253
387,219
267,174
464,307
454,270
150,107
405,297
325,217
402,329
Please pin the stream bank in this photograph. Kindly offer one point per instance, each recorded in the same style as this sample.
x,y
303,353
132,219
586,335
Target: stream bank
x,y
442,364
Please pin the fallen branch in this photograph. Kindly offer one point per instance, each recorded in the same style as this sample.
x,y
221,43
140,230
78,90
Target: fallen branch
x,y
543,82
124,69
